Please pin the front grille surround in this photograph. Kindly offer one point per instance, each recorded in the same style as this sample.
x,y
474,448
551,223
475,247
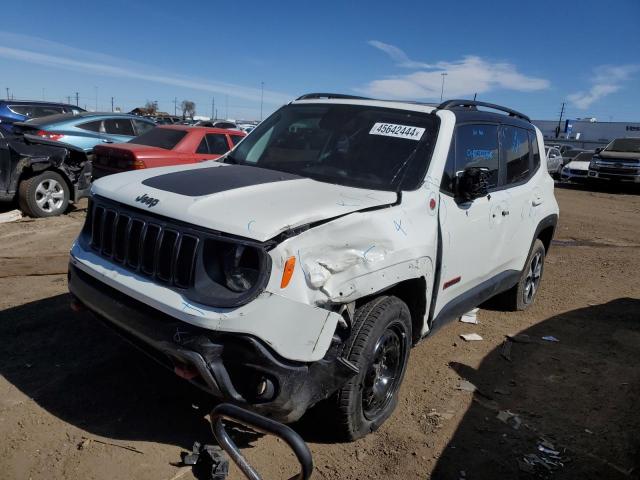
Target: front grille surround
x,y
166,251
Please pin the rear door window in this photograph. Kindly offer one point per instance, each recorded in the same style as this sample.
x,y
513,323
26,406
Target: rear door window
x,y
95,126
515,153
119,126
217,143
477,146
235,139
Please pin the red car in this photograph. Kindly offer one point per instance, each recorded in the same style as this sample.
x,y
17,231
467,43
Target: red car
x,y
164,145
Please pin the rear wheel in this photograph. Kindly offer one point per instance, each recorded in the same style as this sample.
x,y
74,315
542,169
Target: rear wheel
x,y
44,195
522,295
379,346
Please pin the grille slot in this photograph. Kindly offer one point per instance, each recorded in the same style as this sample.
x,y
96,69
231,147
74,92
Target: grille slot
x,y
108,221
185,261
149,245
141,244
166,251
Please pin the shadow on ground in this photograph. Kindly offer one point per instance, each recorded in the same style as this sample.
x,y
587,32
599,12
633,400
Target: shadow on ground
x,y
78,370
581,394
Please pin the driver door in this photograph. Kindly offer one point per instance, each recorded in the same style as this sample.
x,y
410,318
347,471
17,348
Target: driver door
x,y
470,229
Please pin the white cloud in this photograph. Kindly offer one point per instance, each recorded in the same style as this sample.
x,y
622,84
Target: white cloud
x,y
51,54
607,79
471,74
397,55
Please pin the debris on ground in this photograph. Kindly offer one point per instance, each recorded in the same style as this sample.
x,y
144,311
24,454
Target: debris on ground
x,y
510,418
11,216
471,337
470,317
208,461
550,338
521,338
88,441
546,460
505,349
442,415
466,386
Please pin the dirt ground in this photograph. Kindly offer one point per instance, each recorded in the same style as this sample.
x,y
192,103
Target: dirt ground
x,y
76,402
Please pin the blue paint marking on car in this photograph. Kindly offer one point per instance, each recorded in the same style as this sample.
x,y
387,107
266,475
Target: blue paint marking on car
x,y
86,130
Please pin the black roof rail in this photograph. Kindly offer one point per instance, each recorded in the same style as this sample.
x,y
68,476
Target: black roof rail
x,y
450,104
311,96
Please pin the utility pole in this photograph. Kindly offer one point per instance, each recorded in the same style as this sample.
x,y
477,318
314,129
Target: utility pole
x,y
261,98
444,74
77,100
175,106
213,108
559,121
475,95
112,104
68,99
7,93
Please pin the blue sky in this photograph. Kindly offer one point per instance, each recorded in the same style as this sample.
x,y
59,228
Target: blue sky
x,y
531,56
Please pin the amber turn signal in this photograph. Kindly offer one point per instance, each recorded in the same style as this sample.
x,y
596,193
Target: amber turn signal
x,y
289,266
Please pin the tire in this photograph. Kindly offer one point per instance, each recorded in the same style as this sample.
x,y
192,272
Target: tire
x,y
44,195
379,346
521,296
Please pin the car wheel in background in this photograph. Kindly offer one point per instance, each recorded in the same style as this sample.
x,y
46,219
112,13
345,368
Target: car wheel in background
x,y
44,195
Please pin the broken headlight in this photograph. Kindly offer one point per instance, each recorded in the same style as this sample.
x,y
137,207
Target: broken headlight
x,y
230,274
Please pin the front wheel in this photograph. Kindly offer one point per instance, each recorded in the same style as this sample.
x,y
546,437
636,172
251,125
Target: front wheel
x,y
44,195
379,346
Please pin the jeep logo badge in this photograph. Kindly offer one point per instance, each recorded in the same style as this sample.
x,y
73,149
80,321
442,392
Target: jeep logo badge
x,y
147,200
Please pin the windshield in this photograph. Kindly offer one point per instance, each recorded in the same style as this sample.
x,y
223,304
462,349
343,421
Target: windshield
x,y
166,138
352,145
631,145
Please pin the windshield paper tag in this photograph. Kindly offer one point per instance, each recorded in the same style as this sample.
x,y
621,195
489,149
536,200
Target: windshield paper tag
x,y
398,131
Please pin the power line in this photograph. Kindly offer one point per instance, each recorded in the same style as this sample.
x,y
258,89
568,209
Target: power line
x,y
77,100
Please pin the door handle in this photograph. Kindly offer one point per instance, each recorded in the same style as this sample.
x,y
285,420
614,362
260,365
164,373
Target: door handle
x,y
536,201
505,213
106,140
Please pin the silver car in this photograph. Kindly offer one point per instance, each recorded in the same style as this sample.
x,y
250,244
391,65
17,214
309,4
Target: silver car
x,y
554,161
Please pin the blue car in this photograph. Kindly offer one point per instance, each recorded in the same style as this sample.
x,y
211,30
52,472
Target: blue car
x,y
86,130
12,111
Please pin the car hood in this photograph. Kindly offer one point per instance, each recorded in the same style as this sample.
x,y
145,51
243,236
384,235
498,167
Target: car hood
x,y
581,165
240,200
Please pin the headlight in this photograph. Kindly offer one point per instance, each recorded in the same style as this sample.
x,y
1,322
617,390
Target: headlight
x,y
229,273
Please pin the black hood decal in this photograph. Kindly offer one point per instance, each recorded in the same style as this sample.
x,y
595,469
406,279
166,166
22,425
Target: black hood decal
x,y
206,181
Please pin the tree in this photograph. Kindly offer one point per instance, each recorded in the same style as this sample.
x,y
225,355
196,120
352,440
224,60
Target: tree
x,y
188,108
151,107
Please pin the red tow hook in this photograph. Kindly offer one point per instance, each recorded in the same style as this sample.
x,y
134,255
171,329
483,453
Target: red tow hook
x,y
185,371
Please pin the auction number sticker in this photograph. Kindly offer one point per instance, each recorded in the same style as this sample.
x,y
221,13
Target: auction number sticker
x,y
397,131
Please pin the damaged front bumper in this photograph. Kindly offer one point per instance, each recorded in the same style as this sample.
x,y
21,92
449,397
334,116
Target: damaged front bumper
x,y
235,367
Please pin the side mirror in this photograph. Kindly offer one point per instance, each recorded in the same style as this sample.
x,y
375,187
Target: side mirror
x,y
599,149
472,183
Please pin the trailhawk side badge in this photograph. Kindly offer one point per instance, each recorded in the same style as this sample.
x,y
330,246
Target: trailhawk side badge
x,y
147,200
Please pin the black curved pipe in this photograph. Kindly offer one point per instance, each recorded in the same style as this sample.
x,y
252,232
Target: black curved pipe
x,y
262,425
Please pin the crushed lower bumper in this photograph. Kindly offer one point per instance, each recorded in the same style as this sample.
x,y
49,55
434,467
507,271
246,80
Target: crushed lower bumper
x,y
234,367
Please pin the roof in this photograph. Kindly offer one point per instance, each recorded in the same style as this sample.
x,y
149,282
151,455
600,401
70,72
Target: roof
x,y
191,128
464,110
39,102
62,117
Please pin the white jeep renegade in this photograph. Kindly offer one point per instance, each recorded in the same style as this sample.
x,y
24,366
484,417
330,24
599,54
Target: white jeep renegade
x,y
306,263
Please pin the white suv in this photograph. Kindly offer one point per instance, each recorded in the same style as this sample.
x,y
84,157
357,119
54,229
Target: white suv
x,y
306,264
